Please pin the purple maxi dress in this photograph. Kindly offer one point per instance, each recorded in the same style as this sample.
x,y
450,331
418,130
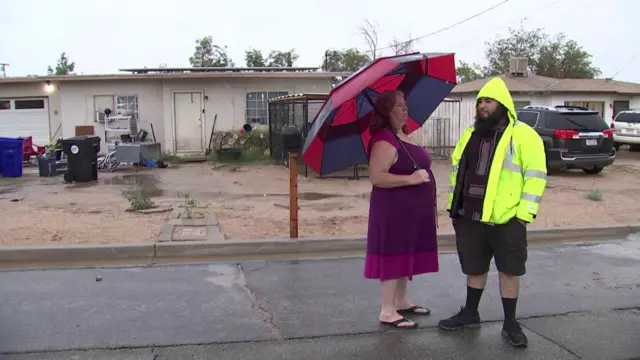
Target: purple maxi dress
x,y
401,239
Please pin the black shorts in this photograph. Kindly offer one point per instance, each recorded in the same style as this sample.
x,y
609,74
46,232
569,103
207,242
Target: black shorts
x,y
477,243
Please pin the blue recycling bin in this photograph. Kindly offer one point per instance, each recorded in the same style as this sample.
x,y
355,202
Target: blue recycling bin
x,y
11,153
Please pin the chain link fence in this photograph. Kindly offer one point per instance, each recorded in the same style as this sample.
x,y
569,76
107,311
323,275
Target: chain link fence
x,y
441,131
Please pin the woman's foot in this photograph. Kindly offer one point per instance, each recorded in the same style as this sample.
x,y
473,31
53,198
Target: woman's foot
x,y
414,310
398,321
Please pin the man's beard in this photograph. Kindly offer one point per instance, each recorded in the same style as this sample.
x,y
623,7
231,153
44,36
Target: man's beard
x,y
482,125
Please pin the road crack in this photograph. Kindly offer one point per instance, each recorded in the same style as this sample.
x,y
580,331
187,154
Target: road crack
x,y
266,315
561,346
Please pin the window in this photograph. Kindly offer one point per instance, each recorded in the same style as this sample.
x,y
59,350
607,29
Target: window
x,y
521,104
628,117
120,105
5,105
127,106
29,104
591,105
528,117
258,106
568,121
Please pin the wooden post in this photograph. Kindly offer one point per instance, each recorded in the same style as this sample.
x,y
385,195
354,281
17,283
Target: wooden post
x,y
293,195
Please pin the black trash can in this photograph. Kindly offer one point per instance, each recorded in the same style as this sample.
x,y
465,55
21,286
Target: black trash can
x,y
82,158
47,166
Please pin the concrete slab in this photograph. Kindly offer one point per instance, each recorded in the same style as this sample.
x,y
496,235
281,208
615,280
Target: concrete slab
x,y
189,233
130,307
181,229
122,354
329,297
485,344
71,253
593,336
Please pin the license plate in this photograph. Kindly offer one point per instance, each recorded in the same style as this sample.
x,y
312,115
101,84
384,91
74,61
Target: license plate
x,y
628,131
592,142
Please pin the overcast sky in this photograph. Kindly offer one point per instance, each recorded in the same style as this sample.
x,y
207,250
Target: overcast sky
x,y
104,36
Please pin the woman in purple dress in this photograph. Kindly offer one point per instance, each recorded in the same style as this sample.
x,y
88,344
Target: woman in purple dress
x,y
401,239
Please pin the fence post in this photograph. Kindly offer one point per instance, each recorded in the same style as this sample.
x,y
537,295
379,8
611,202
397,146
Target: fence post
x,y
293,195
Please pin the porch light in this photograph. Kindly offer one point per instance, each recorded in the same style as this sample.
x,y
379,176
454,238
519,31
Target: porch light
x,y
49,88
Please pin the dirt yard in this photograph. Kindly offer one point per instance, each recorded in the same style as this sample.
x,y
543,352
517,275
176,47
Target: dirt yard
x,y
251,201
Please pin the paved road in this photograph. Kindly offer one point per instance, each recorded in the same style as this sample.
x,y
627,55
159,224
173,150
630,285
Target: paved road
x,y
576,302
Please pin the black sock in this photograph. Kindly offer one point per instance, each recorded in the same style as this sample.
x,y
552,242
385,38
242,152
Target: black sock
x,y
473,300
509,307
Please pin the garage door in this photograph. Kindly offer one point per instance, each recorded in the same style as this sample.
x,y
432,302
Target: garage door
x,y
25,117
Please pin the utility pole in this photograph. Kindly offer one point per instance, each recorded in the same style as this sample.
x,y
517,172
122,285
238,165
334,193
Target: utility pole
x,y
3,67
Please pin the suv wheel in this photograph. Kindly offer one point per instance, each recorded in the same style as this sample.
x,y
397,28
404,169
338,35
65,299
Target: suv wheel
x,y
594,170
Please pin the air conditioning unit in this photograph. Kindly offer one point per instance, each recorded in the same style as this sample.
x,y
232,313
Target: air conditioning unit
x,y
518,66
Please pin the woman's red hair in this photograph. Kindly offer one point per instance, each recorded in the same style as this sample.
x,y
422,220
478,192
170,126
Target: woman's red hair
x,y
384,103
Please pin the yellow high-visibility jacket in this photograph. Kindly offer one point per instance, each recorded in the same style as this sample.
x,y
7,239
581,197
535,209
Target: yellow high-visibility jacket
x,y
518,172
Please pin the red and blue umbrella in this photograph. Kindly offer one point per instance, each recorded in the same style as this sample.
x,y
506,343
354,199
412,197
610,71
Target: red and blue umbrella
x,y
339,135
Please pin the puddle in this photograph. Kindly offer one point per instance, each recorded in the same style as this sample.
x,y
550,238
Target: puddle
x,y
132,179
7,189
223,275
150,184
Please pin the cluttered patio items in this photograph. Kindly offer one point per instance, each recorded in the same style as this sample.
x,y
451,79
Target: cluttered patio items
x,y
125,144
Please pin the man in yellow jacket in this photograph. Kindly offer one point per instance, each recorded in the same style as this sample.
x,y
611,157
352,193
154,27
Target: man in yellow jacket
x,y
497,180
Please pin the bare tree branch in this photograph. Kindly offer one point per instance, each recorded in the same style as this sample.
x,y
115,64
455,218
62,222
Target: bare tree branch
x,y
370,33
402,47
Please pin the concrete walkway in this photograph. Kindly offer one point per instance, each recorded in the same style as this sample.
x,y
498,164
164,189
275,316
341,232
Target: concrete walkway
x,y
577,302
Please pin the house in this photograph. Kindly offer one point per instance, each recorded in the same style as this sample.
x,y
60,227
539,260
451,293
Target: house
x,y
608,97
177,107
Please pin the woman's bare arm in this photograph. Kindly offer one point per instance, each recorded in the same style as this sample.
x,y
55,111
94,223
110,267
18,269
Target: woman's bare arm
x,y
383,155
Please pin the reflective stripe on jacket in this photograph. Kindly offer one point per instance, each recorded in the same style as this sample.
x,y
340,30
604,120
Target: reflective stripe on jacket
x,y
518,172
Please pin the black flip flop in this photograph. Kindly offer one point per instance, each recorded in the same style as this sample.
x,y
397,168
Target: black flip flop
x,y
397,323
412,311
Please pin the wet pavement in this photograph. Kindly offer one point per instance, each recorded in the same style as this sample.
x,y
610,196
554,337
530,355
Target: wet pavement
x,y
575,302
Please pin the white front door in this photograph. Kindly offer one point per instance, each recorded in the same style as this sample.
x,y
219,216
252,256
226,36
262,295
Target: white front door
x,y
188,122
25,117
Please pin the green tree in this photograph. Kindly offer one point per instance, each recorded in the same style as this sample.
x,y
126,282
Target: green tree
x,y
208,54
278,58
344,60
63,67
467,72
554,56
254,58
563,58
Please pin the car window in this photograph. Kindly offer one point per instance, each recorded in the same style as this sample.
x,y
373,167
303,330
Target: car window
x,y
628,118
576,121
528,117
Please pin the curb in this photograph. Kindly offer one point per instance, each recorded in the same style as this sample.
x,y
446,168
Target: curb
x,y
254,248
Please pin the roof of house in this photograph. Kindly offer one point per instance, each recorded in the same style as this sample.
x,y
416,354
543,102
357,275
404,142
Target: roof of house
x,y
307,96
542,84
185,73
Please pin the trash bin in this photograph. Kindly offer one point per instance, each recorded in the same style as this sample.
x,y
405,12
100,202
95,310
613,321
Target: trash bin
x,y
82,158
11,151
47,166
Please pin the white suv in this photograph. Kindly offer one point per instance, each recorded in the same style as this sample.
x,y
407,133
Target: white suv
x,y
627,129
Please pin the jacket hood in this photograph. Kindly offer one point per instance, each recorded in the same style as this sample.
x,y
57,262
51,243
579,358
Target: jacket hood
x,y
497,90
